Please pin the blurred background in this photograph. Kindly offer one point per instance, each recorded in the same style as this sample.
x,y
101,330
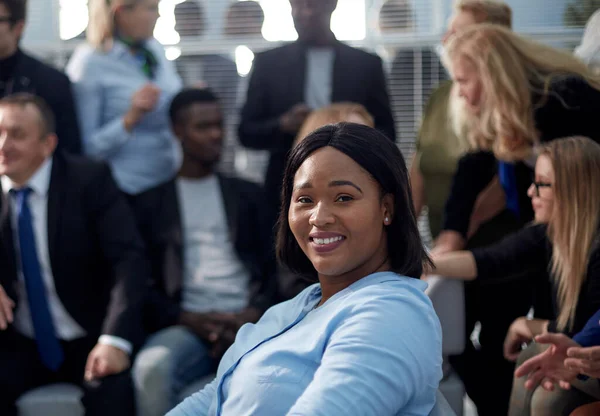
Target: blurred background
x,y
405,33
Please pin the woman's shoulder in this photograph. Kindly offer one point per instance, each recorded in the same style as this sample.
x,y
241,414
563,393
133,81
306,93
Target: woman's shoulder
x,y
85,62
390,295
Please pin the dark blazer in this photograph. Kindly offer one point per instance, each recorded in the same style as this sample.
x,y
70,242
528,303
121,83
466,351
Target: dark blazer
x,y
33,76
277,84
570,109
251,235
530,250
96,254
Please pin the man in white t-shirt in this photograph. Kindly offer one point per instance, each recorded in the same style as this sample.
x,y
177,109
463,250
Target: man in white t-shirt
x,y
213,258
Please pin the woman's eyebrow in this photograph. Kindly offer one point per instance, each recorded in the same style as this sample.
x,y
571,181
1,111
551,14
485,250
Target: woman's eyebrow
x,y
345,183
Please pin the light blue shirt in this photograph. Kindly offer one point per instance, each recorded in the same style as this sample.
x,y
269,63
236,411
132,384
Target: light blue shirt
x,y
104,83
374,348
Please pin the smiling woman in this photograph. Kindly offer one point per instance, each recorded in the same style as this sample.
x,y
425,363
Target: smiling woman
x,y
348,345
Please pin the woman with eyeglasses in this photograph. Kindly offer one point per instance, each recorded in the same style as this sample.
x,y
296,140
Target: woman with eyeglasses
x,y
564,242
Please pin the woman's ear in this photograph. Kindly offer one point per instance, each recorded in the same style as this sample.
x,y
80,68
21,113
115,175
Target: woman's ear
x,y
388,209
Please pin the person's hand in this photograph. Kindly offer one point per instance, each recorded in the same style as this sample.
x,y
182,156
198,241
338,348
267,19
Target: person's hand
x,y
105,360
548,368
230,323
6,310
584,360
203,325
291,121
520,331
143,101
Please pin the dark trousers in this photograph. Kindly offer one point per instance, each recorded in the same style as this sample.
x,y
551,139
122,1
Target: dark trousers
x,y
21,370
495,305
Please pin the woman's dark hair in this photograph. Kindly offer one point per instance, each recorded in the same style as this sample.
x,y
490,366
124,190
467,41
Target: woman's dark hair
x,y
379,156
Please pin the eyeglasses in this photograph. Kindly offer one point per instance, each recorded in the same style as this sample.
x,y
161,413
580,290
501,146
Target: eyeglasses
x,y
539,185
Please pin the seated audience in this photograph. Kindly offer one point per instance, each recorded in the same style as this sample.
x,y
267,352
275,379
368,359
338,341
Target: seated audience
x,y
365,340
124,85
73,270
20,72
335,113
288,82
216,268
563,241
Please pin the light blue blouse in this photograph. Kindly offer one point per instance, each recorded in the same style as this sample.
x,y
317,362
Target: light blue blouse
x,y
374,348
104,83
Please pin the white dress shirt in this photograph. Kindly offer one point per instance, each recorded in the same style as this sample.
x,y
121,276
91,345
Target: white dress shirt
x,y
66,327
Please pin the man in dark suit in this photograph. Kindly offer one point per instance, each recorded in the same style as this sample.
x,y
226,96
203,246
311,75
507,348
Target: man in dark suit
x,y
73,268
20,72
213,259
315,71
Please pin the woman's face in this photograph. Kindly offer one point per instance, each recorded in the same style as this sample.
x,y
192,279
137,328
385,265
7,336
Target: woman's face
x,y
138,21
468,81
542,196
337,215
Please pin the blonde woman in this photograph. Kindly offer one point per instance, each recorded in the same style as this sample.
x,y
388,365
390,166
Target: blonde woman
x,y
565,241
516,94
123,86
335,113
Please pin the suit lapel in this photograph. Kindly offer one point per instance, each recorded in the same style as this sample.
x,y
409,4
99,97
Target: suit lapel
x,y
55,204
340,69
231,203
296,70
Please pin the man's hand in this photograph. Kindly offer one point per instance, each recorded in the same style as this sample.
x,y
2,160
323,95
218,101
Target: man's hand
x,y
203,325
291,121
584,360
548,368
6,310
105,360
522,330
230,323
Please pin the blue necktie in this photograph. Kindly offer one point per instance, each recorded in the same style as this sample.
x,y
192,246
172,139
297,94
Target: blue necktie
x,y
48,344
508,179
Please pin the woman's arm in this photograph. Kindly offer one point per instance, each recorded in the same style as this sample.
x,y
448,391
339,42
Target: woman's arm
x,y
455,265
198,404
383,358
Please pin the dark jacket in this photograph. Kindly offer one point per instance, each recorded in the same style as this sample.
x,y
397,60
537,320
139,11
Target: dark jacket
x,y
530,250
277,84
571,109
96,254
251,236
35,77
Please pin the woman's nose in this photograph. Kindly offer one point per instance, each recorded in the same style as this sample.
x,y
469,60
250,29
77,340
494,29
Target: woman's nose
x,y
322,215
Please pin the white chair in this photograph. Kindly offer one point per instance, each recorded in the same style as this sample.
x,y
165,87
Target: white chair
x,y
447,296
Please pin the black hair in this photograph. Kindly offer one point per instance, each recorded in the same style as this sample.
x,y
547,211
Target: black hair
x,y
23,99
380,157
186,98
16,8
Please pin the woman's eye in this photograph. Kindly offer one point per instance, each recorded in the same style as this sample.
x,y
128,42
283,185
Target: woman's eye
x,y
304,200
344,198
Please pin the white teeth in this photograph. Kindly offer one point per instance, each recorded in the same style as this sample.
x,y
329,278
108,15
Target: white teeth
x,y
324,241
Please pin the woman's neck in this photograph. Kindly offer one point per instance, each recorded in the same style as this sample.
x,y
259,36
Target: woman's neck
x,y
330,285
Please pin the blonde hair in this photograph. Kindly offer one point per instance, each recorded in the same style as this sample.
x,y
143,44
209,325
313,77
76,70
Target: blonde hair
x,y
335,113
509,67
487,11
101,28
573,228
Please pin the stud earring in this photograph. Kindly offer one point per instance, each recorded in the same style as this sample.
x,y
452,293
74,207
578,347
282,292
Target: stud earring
x,y
387,220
